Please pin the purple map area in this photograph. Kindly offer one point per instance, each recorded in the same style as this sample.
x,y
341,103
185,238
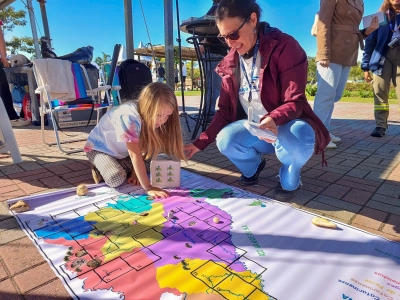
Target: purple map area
x,y
191,233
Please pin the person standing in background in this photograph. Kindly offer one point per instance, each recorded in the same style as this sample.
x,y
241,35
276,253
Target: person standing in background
x,y
176,75
5,93
182,71
160,73
154,71
338,40
382,57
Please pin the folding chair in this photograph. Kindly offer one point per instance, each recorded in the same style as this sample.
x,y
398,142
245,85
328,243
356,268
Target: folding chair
x,y
7,136
61,85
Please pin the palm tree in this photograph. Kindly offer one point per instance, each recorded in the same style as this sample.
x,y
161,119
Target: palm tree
x,y
102,60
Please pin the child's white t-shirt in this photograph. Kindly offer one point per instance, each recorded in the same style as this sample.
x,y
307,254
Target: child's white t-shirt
x,y
117,127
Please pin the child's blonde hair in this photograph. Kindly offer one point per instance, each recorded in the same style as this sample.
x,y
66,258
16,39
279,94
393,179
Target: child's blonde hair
x,y
166,138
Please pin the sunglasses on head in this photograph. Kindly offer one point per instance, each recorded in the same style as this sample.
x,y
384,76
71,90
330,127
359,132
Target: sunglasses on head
x,y
233,36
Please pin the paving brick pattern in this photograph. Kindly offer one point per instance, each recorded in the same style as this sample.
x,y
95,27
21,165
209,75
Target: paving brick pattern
x,y
360,187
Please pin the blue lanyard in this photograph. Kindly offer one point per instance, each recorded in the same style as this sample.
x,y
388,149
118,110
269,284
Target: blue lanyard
x,y
393,22
252,70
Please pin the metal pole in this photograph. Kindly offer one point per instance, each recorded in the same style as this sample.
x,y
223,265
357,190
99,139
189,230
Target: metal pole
x,y
191,75
34,32
128,29
44,20
180,55
184,114
169,43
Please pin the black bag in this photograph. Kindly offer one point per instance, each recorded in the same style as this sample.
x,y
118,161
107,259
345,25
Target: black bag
x,y
93,74
82,55
133,77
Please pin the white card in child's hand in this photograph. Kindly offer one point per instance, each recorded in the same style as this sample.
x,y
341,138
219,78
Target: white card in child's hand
x,y
258,132
367,19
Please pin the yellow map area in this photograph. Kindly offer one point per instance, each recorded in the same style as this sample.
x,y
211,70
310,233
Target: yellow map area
x,y
209,278
122,226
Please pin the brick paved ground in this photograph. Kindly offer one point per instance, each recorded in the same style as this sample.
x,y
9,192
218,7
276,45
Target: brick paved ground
x,y
361,187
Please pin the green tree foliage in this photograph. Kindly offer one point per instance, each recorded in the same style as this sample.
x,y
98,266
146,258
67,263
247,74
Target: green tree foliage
x,y
98,60
392,93
106,57
24,44
311,89
196,71
12,18
176,55
356,74
102,60
312,70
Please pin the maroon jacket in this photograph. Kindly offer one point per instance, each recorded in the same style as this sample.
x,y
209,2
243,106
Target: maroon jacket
x,y
283,79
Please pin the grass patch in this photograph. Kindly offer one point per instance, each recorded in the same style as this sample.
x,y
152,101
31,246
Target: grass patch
x,y
188,93
352,99
358,100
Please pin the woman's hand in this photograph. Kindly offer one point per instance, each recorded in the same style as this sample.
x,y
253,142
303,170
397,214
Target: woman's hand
x,y
190,150
367,76
5,62
269,124
157,192
372,27
133,179
324,63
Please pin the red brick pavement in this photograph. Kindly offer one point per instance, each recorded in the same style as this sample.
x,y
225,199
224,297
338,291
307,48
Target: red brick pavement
x,y
360,186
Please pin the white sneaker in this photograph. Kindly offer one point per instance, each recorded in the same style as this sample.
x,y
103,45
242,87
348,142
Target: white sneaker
x,y
335,139
331,145
19,122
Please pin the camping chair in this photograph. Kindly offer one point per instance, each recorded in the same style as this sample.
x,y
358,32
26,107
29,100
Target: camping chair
x,y
112,74
61,85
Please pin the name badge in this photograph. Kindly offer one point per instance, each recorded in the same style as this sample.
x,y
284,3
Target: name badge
x,y
250,113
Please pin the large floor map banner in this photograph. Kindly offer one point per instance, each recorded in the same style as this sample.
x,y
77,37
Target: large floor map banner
x,y
206,241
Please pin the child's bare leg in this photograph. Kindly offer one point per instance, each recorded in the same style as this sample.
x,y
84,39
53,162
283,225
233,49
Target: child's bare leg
x,y
126,163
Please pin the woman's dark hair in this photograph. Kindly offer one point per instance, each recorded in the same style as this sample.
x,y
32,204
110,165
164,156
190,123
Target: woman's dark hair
x,y
241,9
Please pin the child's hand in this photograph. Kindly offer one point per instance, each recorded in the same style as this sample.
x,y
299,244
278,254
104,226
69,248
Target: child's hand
x,y
157,192
133,179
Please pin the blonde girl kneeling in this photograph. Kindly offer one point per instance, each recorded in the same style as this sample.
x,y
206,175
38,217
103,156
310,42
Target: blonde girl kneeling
x,y
133,132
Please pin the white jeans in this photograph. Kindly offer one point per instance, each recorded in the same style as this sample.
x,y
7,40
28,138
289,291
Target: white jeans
x,y
331,82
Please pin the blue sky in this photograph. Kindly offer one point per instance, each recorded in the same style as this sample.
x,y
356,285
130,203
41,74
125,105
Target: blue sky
x,y
100,24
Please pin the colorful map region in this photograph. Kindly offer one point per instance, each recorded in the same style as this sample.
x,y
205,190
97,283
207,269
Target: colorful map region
x,y
141,248
207,241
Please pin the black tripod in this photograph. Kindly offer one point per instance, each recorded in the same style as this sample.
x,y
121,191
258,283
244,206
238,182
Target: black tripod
x,y
183,114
